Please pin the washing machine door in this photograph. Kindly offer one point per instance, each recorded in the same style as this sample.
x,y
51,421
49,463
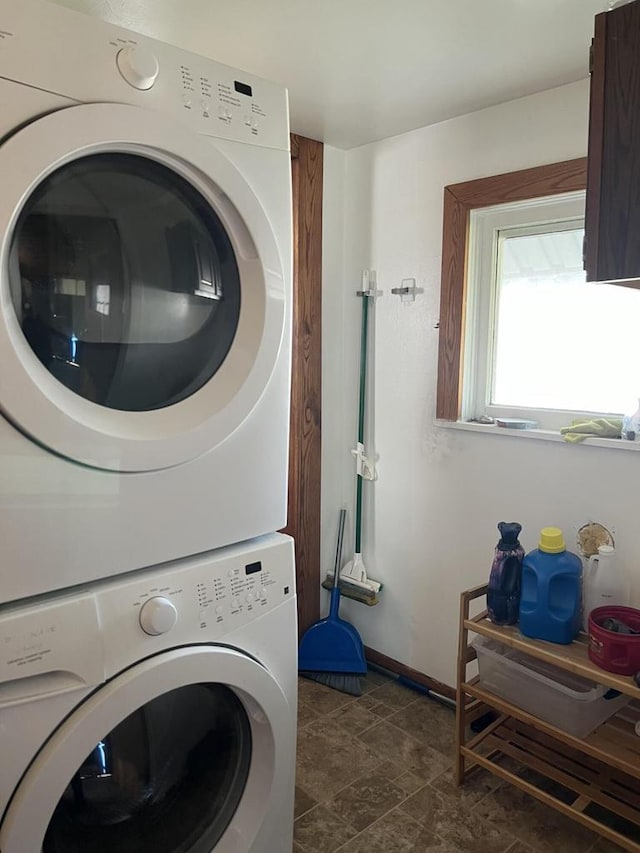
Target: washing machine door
x,y
182,753
142,292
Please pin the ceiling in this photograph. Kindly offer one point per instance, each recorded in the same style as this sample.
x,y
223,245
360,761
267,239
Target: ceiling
x,y
362,70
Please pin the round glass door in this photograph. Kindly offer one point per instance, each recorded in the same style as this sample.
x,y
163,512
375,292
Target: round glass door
x,y
124,282
186,751
144,297
168,778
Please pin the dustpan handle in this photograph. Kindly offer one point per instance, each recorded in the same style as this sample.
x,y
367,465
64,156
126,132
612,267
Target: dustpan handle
x,y
336,566
334,604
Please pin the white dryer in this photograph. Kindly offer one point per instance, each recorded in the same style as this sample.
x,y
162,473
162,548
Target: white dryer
x,y
154,713
145,301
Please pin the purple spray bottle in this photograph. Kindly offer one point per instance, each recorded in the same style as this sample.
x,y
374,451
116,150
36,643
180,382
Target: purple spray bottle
x,y
505,582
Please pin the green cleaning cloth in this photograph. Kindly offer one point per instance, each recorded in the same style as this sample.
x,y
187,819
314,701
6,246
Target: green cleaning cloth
x,y
601,427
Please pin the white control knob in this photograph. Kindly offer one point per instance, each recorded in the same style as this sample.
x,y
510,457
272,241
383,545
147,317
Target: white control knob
x,y
138,66
157,616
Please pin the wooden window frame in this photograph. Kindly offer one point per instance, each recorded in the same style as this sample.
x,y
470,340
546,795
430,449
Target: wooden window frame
x,y
459,201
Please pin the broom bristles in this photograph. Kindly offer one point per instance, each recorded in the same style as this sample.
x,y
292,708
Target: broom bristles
x,y
344,682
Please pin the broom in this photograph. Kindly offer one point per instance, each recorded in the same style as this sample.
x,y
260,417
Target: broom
x,y
331,650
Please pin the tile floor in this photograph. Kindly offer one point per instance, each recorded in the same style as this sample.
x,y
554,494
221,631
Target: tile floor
x,y
374,776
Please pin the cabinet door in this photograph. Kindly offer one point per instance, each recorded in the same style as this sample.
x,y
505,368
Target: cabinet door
x,y
612,249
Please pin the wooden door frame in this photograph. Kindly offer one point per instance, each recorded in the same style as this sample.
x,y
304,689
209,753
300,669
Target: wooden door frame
x,y
303,521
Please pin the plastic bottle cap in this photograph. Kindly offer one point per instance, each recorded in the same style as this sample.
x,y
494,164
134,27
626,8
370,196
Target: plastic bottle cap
x,y
551,540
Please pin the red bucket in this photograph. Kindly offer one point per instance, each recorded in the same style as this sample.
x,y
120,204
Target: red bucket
x,y
609,650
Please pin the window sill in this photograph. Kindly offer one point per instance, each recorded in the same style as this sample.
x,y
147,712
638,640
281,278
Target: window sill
x,y
539,435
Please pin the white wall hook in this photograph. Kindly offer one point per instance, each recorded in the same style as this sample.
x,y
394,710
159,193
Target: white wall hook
x,y
365,468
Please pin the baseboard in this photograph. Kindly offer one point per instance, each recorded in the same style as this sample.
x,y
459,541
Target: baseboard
x,y
414,675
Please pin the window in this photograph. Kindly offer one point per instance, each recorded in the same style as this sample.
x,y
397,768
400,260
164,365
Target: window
x,y
522,335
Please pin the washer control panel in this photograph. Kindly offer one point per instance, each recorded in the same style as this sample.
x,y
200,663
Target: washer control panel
x,y
72,639
197,600
158,615
244,588
217,596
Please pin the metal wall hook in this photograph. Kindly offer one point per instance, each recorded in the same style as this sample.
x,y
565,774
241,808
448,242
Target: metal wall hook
x,y
408,290
369,284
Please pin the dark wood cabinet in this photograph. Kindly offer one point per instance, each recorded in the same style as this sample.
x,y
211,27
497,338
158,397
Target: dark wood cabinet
x,y
612,243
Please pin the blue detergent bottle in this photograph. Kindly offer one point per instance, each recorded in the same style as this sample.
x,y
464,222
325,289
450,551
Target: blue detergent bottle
x,y
551,590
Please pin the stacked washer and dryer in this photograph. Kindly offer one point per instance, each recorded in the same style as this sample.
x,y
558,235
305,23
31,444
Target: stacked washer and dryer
x,y
147,607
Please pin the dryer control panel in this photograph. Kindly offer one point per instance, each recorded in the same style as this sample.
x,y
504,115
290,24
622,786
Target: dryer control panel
x,y
86,60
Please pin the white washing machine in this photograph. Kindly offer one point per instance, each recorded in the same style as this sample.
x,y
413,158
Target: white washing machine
x,y
145,301
154,713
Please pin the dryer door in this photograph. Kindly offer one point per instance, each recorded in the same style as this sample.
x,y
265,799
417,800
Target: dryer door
x,y
183,753
142,293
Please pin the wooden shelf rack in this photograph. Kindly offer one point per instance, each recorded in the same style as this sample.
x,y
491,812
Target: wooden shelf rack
x,y
595,780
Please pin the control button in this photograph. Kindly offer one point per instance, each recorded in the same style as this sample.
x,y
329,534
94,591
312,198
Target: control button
x,y
247,121
231,573
157,616
186,100
138,66
263,593
235,603
249,597
219,609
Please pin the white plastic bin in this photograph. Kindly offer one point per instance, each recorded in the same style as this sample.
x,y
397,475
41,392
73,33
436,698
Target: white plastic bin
x,y
565,700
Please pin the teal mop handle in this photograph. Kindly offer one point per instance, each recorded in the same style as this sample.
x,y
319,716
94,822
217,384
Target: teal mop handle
x,y
361,408
358,514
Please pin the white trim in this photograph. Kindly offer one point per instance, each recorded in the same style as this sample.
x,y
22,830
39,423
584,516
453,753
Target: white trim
x,y
141,441
538,435
487,227
27,818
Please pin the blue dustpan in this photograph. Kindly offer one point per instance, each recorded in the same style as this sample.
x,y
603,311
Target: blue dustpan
x,y
332,645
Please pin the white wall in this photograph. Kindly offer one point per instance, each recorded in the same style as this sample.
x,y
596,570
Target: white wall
x,y
432,513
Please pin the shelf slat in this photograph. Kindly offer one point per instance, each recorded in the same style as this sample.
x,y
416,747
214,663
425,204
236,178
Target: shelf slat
x,y
596,744
529,754
618,783
572,657
575,813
